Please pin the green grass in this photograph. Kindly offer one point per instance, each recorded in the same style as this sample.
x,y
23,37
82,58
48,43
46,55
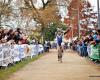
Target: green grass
x,y
5,73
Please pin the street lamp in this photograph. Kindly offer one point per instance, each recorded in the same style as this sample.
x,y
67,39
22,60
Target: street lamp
x,y
98,14
72,30
78,24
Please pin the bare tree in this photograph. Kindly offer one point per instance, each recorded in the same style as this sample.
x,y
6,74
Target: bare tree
x,y
5,9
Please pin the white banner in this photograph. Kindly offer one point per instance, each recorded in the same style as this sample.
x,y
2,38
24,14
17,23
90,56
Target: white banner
x,y
15,53
1,55
6,54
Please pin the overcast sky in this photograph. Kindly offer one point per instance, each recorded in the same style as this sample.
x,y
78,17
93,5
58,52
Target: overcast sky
x,y
94,3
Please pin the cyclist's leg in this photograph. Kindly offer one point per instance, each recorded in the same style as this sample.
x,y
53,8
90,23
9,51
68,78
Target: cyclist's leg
x,y
58,53
60,57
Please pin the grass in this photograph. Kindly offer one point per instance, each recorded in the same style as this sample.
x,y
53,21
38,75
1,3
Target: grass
x,y
5,73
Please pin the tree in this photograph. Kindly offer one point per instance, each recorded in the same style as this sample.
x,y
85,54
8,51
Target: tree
x,y
43,15
52,29
5,9
88,16
81,17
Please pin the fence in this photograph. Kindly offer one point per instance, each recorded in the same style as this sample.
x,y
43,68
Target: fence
x,y
93,51
14,53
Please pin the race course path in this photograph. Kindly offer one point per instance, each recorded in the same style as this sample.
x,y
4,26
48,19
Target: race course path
x,y
47,67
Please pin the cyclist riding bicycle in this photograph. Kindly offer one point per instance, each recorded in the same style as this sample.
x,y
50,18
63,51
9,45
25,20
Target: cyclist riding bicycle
x,y
60,49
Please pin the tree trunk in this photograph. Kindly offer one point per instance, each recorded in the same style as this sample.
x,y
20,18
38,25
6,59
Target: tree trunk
x,y
43,34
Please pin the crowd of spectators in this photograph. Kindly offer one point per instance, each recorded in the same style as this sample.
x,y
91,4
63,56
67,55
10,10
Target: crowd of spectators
x,y
15,36
80,45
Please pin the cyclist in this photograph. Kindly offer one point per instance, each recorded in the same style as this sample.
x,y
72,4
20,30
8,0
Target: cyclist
x,y
60,49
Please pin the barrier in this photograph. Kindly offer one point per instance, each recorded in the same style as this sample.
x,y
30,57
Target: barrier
x,y
95,52
1,55
15,53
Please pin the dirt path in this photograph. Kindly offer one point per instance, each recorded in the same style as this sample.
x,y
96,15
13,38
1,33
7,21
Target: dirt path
x,y
48,68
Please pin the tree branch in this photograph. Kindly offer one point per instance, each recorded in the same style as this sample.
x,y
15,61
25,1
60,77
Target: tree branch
x,y
45,4
27,3
32,4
